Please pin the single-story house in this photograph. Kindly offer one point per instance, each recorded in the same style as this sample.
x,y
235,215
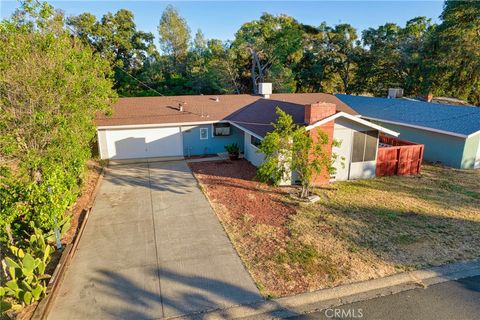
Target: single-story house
x,y
184,126
450,133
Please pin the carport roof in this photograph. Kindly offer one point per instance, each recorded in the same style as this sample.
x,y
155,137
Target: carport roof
x,y
254,112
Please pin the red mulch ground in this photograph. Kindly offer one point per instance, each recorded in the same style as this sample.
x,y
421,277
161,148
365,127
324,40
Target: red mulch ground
x,y
232,184
255,216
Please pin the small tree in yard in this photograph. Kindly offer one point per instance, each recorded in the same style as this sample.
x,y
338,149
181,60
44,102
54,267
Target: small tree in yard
x,y
289,148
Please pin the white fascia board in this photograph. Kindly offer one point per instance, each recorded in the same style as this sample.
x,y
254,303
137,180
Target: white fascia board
x,y
473,134
176,124
354,119
245,130
458,135
157,125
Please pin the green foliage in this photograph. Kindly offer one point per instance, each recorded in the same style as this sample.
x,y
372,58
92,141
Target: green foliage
x,y
455,51
116,38
290,148
232,148
26,269
277,148
51,87
420,57
269,48
174,36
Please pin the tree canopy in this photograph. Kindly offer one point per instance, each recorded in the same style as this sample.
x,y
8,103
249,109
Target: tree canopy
x,y
420,57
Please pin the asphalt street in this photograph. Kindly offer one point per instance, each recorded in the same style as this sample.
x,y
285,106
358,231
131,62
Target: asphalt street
x,y
452,300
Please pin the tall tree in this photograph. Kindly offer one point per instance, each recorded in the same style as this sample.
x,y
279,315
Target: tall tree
x,y
117,39
380,66
343,50
416,53
457,69
270,43
174,36
329,62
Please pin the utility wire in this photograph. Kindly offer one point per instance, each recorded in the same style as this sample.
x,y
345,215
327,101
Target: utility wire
x,y
75,34
144,84
264,124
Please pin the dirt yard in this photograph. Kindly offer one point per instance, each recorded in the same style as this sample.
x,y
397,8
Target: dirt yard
x,y
359,230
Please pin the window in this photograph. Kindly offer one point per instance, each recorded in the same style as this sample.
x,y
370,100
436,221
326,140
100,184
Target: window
x,y
221,129
203,133
364,146
255,141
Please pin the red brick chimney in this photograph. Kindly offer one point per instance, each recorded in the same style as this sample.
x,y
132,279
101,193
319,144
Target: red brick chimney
x,y
428,97
317,111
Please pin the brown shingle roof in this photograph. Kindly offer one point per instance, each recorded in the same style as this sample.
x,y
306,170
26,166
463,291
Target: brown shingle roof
x,y
243,107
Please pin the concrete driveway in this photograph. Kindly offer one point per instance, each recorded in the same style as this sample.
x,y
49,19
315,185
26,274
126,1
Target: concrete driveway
x,y
152,248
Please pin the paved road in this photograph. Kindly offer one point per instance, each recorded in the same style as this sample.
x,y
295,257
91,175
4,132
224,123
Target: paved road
x,y
152,248
453,300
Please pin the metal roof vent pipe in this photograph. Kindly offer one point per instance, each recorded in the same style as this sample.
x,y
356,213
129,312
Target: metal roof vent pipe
x,y
395,93
265,89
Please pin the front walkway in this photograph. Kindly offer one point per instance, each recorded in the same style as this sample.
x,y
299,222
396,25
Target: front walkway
x,y
152,248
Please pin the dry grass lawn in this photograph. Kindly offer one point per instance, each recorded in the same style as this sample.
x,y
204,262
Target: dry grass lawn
x,y
359,230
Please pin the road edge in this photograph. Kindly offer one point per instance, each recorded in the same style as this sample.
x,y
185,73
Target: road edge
x,y
332,297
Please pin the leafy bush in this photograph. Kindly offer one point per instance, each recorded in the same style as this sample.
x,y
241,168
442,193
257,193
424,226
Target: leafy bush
x,y
51,88
232,148
289,148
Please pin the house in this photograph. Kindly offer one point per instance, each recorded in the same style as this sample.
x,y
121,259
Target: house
x,y
184,126
450,133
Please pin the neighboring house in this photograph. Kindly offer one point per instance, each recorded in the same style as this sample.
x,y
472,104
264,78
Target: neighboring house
x,y
450,133
184,126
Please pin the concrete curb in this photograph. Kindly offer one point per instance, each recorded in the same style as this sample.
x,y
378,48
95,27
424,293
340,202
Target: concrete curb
x,y
327,298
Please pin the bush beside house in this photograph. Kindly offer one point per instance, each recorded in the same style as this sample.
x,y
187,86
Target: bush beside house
x,y
51,87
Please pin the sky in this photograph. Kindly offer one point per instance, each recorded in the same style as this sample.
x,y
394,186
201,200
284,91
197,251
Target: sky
x,y
221,19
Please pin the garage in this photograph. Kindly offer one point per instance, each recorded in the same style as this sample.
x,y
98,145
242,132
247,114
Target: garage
x,y
133,143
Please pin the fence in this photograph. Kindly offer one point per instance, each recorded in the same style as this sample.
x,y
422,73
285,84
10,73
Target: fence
x,y
398,157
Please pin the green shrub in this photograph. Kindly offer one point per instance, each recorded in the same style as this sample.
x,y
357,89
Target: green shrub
x,y
50,92
232,148
26,269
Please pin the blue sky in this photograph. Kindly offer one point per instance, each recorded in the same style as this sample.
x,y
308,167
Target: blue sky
x,y
221,19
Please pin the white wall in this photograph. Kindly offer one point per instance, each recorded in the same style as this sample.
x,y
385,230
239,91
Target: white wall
x,y
251,152
343,135
476,165
343,130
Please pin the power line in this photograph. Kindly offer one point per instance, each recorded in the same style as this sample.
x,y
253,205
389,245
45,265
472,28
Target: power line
x,y
143,83
75,34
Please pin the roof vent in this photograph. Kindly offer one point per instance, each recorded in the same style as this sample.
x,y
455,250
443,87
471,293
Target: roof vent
x,y
265,89
217,99
394,93
180,106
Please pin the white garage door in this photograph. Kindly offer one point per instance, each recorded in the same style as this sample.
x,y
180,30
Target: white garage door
x,y
144,143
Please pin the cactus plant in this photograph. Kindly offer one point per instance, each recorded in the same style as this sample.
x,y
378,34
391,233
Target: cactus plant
x,y
27,273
